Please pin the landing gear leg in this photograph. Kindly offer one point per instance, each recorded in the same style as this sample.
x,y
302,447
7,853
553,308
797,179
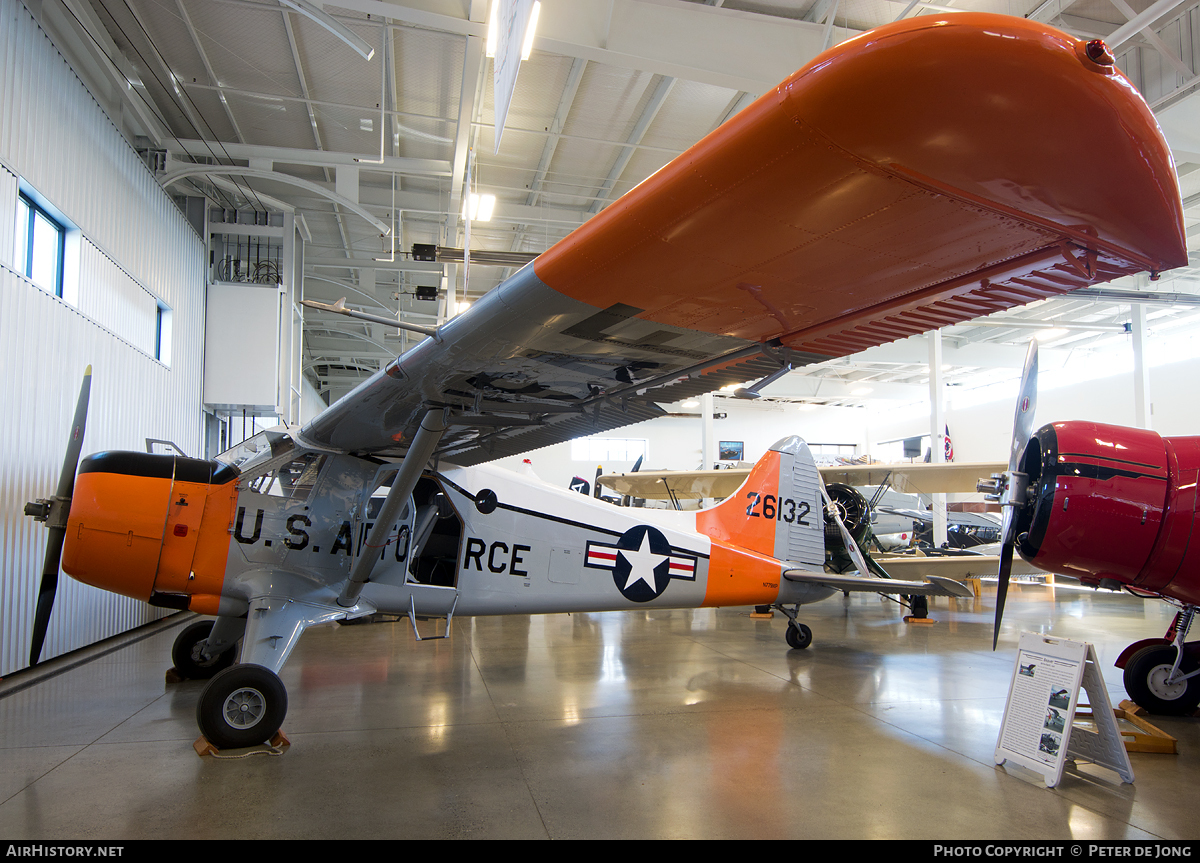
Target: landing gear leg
x,y
798,635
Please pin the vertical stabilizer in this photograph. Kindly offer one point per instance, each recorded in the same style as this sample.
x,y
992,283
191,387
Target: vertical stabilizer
x,y
777,510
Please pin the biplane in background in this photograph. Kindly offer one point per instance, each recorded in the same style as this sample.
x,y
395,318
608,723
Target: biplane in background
x,y
916,176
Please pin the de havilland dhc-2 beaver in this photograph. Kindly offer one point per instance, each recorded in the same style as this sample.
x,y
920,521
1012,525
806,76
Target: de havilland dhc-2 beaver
x,y
919,175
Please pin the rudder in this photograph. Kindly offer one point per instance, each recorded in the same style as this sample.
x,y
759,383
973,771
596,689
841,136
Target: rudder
x,y
777,510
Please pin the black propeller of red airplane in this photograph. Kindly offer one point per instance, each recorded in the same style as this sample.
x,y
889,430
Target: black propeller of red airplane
x,y
54,512
1010,488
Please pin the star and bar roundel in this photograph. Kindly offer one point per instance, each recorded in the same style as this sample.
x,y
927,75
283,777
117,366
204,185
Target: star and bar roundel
x,y
642,563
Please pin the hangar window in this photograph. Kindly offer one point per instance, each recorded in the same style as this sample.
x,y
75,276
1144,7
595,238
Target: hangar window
x,y
40,245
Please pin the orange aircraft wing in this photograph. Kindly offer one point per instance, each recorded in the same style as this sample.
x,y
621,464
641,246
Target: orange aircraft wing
x,y
919,175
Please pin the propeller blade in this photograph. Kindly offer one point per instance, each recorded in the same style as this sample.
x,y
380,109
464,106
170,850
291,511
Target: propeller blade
x,y
56,522
1006,559
1022,431
851,546
1026,405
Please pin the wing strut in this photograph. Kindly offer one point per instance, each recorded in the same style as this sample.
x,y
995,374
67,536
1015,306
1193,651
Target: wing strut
x,y
433,425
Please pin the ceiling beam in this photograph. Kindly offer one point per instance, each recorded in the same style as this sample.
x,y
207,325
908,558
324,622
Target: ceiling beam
x,y
314,158
238,171
661,90
709,44
1134,25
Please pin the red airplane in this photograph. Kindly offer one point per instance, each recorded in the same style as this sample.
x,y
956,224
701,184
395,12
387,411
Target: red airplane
x,y
1113,507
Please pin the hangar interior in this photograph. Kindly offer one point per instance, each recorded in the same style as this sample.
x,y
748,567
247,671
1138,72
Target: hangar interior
x,y
200,166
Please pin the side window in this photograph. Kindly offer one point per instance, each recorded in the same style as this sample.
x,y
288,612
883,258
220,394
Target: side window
x,y
40,246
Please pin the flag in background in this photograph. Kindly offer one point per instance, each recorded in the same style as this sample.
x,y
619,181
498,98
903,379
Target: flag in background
x,y
949,446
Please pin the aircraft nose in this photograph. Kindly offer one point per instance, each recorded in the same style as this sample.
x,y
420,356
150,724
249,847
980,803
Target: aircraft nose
x,y
115,529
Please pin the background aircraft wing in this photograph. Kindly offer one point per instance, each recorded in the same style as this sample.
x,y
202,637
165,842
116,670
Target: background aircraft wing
x,y
955,567
919,478
936,586
816,223
682,484
906,478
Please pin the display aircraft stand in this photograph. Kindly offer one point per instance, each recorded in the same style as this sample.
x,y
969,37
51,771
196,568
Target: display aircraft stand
x,y
1038,731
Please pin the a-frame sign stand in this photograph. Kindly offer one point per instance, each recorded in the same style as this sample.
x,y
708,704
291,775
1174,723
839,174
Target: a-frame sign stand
x,y
1038,731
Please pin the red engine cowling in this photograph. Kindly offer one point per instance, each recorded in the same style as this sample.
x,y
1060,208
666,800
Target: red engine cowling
x,y
1112,505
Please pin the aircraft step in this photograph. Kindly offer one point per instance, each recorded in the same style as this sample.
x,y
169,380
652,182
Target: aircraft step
x,y
412,618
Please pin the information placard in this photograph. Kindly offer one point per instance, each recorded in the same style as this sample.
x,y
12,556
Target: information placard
x,y
1038,728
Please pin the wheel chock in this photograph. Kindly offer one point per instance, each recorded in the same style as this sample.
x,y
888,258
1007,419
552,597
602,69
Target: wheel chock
x,y
1148,738
203,747
919,621
278,742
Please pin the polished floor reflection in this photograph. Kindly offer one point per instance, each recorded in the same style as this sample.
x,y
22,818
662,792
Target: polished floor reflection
x,y
689,724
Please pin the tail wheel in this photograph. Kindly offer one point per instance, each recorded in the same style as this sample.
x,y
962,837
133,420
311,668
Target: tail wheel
x,y
190,662
242,706
798,636
1146,675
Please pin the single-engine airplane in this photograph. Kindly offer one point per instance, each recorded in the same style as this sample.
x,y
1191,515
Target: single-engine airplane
x,y
1114,507
915,176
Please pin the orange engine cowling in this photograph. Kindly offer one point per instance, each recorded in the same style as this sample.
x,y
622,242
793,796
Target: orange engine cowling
x,y
154,527
1112,506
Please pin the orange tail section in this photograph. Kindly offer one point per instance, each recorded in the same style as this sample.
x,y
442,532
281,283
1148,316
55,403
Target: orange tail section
x,y
777,511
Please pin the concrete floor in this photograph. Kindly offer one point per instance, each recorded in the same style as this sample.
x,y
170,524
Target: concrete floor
x,y
688,724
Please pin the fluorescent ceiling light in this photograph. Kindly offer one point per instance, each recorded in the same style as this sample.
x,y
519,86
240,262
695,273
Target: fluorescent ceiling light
x,y
861,391
478,208
493,29
527,48
493,34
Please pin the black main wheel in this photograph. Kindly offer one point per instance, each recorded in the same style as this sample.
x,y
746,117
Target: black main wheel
x,y
1146,675
189,662
798,636
242,706
919,606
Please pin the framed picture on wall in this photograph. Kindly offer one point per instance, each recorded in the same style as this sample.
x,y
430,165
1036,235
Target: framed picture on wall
x,y
730,450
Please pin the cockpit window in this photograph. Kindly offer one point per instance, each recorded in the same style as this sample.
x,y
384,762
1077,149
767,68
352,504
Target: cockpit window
x,y
293,480
256,450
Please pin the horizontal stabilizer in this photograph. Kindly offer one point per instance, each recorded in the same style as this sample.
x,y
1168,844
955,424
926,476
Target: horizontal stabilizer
x,y
936,586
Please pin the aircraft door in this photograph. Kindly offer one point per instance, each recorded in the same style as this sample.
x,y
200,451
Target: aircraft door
x,y
432,572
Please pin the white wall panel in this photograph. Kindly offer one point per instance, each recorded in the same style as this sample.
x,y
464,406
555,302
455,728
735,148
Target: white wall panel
x,y
109,296
136,248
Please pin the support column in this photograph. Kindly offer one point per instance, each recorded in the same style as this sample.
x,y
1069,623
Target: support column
x,y
708,445
1141,371
937,430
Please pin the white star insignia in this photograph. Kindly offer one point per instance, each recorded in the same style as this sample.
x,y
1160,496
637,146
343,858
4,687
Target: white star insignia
x,y
642,563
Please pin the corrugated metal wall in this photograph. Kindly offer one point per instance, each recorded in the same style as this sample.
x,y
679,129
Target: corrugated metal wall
x,y
136,250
